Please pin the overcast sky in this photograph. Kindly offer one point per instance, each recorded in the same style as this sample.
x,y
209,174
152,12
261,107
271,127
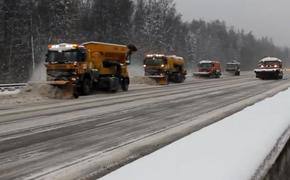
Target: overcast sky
x,y
263,17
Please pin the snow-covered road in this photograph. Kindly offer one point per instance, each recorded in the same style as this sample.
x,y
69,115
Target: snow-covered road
x,y
234,148
93,135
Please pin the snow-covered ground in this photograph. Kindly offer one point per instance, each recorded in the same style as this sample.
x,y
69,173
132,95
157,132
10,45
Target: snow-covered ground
x,y
232,149
29,94
4,93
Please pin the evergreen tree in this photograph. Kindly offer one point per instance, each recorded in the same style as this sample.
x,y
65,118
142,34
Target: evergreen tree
x,y
16,40
154,26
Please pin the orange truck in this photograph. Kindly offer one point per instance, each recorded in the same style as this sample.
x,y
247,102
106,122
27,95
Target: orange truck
x,y
208,68
77,69
165,68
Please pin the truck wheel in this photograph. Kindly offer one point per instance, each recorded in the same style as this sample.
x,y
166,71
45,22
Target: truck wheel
x,y
166,79
114,85
125,84
178,77
86,86
279,77
182,78
217,75
76,93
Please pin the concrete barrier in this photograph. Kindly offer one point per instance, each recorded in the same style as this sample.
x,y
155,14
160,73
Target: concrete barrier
x,y
280,169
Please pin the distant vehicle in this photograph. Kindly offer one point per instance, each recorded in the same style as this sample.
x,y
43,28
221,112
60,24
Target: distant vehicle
x,y
78,69
269,68
165,68
233,68
207,68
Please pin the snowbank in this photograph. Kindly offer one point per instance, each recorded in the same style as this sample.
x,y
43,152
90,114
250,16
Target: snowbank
x,y
33,92
233,148
4,93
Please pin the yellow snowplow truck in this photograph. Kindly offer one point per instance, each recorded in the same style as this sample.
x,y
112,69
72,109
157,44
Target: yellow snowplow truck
x,y
164,68
78,69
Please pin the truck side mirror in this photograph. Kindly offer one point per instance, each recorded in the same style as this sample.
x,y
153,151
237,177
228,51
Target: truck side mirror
x,y
132,48
128,60
46,57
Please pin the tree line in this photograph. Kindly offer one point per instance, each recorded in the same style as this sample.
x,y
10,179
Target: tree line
x,y
154,26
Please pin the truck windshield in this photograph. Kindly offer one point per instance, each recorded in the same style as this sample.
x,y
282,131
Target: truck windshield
x,y
232,66
271,64
154,61
65,56
205,65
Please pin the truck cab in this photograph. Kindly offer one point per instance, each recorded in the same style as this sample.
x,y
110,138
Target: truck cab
x,y
208,68
269,68
233,68
64,61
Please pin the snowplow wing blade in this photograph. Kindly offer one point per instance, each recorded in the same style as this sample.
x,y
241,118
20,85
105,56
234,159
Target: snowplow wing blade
x,y
62,90
201,73
161,80
56,83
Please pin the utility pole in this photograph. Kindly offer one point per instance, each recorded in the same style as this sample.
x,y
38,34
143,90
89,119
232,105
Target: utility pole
x,y
32,52
32,45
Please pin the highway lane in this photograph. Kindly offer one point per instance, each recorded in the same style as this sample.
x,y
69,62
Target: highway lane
x,y
49,138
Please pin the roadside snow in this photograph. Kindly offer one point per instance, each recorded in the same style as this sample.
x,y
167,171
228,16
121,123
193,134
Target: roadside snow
x,y
4,93
29,94
233,148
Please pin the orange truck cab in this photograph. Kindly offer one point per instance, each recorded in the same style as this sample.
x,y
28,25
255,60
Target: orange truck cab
x,y
207,68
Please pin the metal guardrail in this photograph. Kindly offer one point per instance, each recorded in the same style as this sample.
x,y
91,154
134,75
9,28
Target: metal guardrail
x,y
11,87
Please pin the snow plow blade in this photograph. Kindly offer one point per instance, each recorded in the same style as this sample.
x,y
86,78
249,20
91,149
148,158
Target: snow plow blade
x,y
62,90
201,74
161,80
58,83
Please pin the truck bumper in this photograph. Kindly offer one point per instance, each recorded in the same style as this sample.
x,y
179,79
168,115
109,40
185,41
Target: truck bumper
x,y
268,73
